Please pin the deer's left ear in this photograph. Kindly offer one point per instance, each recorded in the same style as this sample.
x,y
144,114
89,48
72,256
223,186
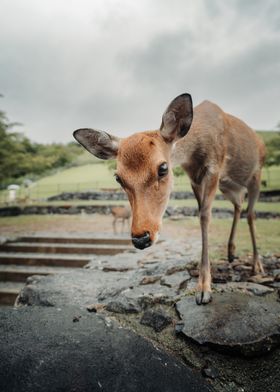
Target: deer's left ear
x,y
98,143
177,119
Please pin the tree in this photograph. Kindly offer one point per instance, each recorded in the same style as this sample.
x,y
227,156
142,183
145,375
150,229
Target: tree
x,y
273,151
20,157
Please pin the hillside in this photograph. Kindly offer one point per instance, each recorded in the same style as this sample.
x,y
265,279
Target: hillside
x,y
90,173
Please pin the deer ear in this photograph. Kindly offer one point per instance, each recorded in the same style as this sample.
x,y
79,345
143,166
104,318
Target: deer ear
x,y
98,143
177,119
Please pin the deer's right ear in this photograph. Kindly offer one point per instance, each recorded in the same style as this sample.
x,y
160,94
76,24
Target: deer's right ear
x,y
98,143
177,119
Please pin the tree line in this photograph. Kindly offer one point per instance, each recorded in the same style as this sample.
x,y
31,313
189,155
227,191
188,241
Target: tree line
x,y
20,157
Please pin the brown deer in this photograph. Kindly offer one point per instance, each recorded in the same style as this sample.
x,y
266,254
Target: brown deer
x,y
120,213
213,147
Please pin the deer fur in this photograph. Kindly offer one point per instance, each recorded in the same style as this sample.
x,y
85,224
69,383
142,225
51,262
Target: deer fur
x,y
120,213
216,149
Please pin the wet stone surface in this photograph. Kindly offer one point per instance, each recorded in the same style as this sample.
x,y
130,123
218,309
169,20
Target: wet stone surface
x,y
234,322
50,349
140,290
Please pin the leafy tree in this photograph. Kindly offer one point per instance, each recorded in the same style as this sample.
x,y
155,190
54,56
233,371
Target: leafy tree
x,y
20,157
273,151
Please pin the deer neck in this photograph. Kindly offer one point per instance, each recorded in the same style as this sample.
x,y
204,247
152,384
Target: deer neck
x,y
182,151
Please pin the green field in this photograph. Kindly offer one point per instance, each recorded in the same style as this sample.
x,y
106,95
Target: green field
x,y
90,173
97,176
268,234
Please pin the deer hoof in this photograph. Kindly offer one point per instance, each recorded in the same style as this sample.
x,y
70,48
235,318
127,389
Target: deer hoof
x,y
203,297
231,258
257,267
258,270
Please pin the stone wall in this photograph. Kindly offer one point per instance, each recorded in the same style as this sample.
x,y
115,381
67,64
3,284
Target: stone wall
x,y
106,210
98,195
110,195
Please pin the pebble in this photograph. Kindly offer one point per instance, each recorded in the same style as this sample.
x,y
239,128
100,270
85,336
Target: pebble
x,y
150,280
210,372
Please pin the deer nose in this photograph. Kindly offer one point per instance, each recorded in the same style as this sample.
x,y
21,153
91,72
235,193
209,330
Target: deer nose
x,y
142,241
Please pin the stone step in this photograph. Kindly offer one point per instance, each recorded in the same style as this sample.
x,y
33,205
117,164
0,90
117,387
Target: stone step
x,y
9,292
18,273
63,248
77,240
50,260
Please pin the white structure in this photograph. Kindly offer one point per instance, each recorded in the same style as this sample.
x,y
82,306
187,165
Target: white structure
x,y
12,193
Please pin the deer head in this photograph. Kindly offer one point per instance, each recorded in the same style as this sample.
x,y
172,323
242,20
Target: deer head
x,y
144,166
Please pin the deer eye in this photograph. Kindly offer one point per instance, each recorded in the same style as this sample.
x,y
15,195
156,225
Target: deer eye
x,y
162,170
118,179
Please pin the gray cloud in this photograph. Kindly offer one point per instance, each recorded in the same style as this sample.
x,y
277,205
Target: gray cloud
x,y
115,65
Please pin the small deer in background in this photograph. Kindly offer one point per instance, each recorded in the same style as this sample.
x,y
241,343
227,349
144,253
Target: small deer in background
x,y
121,213
215,149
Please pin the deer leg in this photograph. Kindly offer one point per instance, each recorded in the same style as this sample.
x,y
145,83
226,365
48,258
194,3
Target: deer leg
x,y
197,190
128,224
123,225
231,244
203,295
253,194
114,226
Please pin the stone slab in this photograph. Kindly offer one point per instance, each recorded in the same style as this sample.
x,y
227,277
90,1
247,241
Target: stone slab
x,y
178,280
246,287
52,349
233,322
81,287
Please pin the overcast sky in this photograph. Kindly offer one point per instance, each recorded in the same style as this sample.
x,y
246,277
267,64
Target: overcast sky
x,y
116,64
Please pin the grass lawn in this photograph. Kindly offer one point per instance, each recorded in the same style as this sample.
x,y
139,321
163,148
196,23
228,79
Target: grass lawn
x,y
268,234
80,178
96,176
260,206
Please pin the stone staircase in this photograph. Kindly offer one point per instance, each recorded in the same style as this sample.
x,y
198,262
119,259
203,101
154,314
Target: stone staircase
x,y
49,254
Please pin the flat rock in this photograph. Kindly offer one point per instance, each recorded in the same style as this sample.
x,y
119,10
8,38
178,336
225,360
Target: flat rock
x,y
253,288
166,266
81,287
275,285
261,279
177,280
50,349
233,322
157,319
122,263
147,295
123,304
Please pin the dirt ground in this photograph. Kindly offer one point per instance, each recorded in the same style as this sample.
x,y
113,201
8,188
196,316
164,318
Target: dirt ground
x,y
82,224
186,229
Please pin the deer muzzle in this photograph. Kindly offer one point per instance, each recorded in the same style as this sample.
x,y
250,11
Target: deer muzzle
x,y
143,241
